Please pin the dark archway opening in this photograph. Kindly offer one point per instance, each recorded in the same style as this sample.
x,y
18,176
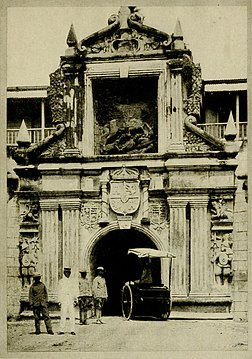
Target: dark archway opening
x,y
111,253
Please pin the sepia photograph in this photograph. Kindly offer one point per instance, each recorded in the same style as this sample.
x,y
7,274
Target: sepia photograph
x,y
127,178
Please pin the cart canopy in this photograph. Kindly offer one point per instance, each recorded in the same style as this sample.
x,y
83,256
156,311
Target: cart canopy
x,y
150,253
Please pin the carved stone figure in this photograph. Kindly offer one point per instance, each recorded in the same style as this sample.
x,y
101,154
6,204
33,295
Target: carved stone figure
x,y
135,136
220,211
222,255
28,257
30,214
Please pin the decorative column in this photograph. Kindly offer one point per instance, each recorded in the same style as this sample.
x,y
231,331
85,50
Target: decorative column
x,y
177,243
176,110
105,199
200,252
71,229
88,121
49,244
145,181
42,119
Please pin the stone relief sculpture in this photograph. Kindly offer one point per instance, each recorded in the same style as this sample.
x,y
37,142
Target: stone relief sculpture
x,y
124,197
222,255
135,136
55,94
158,216
30,214
28,242
90,213
28,257
220,211
191,73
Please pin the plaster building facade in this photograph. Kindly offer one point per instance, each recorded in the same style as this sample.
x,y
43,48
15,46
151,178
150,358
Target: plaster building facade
x,y
130,164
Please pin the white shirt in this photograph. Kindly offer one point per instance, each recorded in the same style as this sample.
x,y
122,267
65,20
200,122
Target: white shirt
x,y
68,289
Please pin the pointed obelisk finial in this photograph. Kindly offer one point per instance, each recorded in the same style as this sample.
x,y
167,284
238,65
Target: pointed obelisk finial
x,y
231,130
71,37
177,37
178,31
23,138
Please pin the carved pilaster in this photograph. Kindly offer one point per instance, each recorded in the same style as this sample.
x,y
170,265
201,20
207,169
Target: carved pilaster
x,y
177,243
145,205
199,246
50,243
105,203
176,109
71,228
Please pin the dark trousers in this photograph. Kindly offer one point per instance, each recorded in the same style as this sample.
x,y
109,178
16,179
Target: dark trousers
x,y
42,311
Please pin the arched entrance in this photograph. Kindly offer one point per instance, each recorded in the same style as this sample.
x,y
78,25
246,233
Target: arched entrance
x,y
110,251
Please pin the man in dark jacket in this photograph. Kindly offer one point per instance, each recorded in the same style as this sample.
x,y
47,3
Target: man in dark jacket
x,y
38,299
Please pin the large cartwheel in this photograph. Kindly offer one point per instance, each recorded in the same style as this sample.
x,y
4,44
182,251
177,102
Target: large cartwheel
x,y
141,299
127,301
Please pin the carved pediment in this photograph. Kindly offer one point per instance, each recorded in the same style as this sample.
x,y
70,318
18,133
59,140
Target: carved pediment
x,y
125,34
126,41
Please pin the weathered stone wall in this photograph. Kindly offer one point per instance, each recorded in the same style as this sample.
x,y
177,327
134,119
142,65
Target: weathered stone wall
x,y
240,261
14,284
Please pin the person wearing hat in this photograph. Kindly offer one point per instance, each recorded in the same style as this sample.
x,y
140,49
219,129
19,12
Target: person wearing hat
x,y
100,294
85,296
67,295
38,299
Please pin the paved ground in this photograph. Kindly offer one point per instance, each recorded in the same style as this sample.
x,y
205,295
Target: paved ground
x,y
116,334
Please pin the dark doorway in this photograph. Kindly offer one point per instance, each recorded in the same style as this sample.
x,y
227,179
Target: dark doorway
x,y
111,253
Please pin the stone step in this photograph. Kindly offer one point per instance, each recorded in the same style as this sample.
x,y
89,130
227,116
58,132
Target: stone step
x,y
174,315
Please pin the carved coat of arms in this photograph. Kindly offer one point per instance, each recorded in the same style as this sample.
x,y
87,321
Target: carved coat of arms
x,y
124,196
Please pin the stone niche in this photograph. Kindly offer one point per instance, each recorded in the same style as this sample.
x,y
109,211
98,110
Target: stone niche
x,y
125,112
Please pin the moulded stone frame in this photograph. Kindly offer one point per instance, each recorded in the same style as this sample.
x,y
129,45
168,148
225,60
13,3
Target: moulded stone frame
x,y
122,69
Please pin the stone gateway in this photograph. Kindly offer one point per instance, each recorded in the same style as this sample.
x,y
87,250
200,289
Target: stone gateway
x,y
127,166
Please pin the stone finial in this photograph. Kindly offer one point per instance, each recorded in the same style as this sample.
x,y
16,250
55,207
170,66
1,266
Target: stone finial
x,y
231,130
124,13
71,37
177,34
177,37
23,138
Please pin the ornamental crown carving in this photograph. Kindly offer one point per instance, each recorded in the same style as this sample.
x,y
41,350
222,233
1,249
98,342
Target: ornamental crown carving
x,y
125,174
125,33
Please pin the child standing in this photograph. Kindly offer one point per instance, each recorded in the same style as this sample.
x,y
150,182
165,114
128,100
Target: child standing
x,y
100,294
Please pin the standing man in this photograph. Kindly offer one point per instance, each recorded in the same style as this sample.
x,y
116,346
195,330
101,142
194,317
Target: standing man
x,y
38,299
68,292
100,294
85,296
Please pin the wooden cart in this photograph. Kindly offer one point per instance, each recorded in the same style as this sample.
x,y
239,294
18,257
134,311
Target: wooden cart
x,y
145,299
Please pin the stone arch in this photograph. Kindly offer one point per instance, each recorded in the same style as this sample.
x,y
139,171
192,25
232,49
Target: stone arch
x,y
114,226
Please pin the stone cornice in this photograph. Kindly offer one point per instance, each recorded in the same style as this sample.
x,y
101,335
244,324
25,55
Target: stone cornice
x,y
177,201
198,201
49,204
194,201
71,203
